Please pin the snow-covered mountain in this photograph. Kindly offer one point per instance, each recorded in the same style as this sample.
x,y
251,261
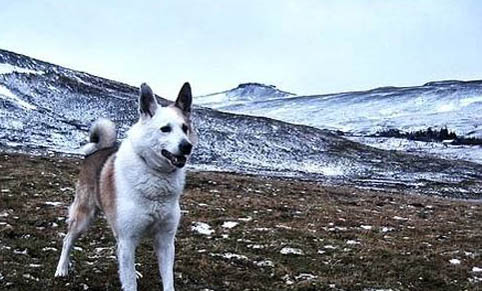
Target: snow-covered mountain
x,y
243,94
455,104
45,108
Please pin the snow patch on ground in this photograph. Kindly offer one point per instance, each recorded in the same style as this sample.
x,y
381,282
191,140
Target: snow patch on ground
x,y
35,265
291,251
387,229
262,229
230,256
455,261
55,204
287,280
255,246
305,277
264,263
329,247
229,224
202,228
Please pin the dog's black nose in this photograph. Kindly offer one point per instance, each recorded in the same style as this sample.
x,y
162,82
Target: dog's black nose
x,y
185,147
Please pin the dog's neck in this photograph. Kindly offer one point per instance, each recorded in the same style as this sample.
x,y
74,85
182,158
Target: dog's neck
x,y
152,182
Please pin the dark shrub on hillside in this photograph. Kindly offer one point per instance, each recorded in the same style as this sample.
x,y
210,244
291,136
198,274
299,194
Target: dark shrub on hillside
x,y
429,135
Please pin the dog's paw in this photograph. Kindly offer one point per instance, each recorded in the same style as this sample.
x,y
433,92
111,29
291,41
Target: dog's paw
x,y
61,272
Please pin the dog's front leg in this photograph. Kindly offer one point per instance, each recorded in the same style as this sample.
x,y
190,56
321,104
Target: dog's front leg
x,y
126,256
165,250
164,246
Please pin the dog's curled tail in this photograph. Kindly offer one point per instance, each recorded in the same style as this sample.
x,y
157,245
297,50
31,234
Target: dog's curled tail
x,y
102,135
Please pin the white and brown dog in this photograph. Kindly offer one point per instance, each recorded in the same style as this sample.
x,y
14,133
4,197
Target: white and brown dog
x,y
137,185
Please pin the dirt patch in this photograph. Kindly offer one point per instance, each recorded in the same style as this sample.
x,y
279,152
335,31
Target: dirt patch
x,y
246,233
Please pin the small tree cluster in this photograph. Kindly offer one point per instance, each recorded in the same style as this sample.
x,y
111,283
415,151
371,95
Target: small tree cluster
x,y
430,135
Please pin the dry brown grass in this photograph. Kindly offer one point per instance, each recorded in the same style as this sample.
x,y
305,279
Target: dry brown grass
x,y
408,247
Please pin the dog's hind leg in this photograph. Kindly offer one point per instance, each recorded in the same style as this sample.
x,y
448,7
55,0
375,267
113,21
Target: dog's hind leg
x,y
81,213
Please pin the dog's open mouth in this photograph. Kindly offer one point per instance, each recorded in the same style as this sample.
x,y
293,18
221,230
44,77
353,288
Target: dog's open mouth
x,y
178,161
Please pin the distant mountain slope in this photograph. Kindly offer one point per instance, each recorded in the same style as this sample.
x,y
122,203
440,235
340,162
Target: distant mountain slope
x,y
455,104
44,107
244,93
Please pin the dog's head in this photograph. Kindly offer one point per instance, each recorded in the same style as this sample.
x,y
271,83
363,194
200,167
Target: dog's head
x,y
164,135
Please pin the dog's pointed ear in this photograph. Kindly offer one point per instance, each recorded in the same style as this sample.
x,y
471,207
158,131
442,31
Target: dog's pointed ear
x,y
147,101
184,99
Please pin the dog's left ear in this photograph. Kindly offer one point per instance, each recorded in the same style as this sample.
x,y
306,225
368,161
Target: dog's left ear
x,y
184,99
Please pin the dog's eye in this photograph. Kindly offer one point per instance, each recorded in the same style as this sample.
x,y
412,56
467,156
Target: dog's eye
x,y
184,128
166,128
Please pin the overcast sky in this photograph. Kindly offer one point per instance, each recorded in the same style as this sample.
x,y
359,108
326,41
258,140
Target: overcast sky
x,y
306,47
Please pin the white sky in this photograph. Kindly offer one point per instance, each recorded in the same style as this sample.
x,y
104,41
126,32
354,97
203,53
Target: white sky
x,y
302,46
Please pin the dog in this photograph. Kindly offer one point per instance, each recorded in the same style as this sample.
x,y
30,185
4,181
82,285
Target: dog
x,y
137,184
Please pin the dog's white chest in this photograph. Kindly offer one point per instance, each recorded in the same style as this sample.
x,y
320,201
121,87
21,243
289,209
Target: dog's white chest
x,y
159,188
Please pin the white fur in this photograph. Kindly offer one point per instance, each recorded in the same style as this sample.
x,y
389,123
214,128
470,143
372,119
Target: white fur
x,y
105,130
146,203
148,192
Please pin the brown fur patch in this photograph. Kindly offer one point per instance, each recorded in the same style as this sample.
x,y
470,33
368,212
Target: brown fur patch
x,y
86,201
87,196
88,183
108,192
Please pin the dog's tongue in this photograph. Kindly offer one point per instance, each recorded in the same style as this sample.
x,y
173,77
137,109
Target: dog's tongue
x,y
178,161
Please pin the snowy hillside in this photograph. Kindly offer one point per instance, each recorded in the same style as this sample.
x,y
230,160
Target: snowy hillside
x,y
455,104
45,108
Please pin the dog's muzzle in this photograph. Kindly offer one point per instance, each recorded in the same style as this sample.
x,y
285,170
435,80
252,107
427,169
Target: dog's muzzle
x,y
178,161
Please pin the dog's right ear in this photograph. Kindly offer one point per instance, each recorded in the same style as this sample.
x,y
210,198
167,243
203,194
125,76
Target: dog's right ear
x,y
147,101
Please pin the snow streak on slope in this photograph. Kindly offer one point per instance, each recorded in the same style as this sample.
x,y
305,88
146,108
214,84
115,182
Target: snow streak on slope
x,y
67,102
8,69
12,97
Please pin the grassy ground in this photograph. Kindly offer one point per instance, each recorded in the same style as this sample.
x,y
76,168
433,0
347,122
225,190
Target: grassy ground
x,y
285,235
